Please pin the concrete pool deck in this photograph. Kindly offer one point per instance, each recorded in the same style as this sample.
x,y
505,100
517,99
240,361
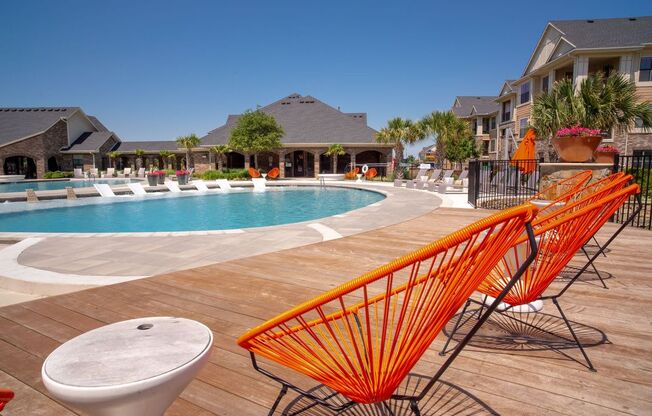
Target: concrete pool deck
x,y
49,264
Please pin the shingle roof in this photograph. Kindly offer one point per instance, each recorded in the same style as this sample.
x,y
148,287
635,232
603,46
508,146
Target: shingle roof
x,y
606,33
97,123
148,146
89,142
305,119
482,105
19,123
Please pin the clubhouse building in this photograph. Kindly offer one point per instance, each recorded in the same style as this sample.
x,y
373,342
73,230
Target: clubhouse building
x,y
36,140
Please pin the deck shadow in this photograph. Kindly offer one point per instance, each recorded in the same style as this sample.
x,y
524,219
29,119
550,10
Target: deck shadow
x,y
443,399
588,276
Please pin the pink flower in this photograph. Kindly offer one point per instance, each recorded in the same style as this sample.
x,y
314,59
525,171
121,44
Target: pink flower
x,y
607,149
577,131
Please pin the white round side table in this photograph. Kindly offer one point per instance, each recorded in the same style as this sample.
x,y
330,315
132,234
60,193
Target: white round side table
x,y
135,367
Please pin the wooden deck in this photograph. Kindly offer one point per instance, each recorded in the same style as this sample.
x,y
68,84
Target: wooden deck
x,y
231,297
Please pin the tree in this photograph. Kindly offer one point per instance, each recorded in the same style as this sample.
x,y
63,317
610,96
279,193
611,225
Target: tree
x,y
449,130
188,142
400,132
220,150
460,148
335,150
113,156
600,102
139,157
256,132
165,157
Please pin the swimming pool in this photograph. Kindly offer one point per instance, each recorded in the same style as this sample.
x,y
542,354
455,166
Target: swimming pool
x,y
53,185
199,212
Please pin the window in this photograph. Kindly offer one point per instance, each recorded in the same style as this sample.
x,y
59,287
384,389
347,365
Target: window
x,y
485,125
522,127
544,83
493,123
645,70
638,124
492,145
507,111
77,161
525,93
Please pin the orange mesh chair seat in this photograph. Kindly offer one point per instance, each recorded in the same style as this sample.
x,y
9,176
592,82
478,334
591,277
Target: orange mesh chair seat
x,y
352,173
5,397
363,337
564,188
273,173
254,173
371,173
559,236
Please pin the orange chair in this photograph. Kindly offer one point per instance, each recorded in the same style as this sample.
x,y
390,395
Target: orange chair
x,y
565,187
254,173
371,173
363,337
5,397
274,173
352,173
559,236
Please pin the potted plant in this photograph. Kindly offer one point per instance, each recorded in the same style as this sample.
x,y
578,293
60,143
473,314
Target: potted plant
x,y
605,154
152,178
182,177
161,177
576,144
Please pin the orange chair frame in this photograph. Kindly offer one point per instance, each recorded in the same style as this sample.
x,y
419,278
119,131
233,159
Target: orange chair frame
x,y
363,337
559,236
273,173
254,173
5,397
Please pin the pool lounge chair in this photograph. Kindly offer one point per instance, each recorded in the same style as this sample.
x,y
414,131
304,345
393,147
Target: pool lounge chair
x,y
346,338
137,188
172,186
105,191
109,173
78,174
259,184
200,185
94,173
141,173
126,173
223,184
559,236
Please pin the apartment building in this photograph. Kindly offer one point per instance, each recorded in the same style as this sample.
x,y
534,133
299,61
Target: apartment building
x,y
481,112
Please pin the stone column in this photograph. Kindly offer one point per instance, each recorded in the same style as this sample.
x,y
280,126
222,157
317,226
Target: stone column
x,y
2,166
353,159
247,156
388,160
316,167
40,167
281,163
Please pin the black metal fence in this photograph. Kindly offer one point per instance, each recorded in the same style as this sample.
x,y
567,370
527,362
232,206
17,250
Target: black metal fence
x,y
498,184
639,166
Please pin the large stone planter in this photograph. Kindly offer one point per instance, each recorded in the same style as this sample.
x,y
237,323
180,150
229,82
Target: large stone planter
x,y
161,179
576,149
603,157
182,179
152,180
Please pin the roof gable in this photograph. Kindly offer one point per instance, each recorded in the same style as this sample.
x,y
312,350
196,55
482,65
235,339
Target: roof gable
x,y
466,106
305,119
544,48
20,123
507,88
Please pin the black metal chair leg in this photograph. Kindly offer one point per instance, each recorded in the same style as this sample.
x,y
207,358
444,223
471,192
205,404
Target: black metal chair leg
x,y
594,268
282,393
599,246
457,325
577,341
414,406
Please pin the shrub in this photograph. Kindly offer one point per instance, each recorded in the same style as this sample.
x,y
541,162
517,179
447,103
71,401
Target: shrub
x,y
230,174
58,174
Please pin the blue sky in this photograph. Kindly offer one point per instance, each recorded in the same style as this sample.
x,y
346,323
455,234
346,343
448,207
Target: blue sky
x,y
154,70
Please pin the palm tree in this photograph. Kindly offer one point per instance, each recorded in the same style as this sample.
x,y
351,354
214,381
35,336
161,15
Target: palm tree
x,y
188,142
139,157
448,130
400,132
113,156
165,156
335,150
600,102
220,150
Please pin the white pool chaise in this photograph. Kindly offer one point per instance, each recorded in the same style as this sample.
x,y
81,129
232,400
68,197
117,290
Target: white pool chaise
x,y
223,184
259,184
137,188
172,186
200,185
105,191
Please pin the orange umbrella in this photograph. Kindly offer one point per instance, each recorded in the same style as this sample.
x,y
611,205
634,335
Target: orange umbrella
x,y
524,155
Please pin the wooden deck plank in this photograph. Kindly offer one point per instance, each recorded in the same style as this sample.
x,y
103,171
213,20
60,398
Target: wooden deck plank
x,y
234,296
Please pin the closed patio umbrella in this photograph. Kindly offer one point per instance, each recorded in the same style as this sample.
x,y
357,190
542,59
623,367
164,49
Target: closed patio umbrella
x,y
524,155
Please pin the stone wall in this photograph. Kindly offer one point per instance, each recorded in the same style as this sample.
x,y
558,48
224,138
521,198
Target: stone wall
x,y
40,148
552,173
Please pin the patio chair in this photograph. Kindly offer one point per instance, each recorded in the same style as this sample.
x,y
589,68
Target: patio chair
x,y
274,173
254,173
126,173
363,337
94,173
460,179
109,173
564,188
141,173
371,173
105,190
172,186
559,236
352,174
223,184
5,397
448,173
77,173
137,188
259,184
200,185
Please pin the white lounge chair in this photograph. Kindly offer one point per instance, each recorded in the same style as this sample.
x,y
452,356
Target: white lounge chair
x,y
78,173
173,186
109,173
94,173
137,188
105,191
461,179
223,184
200,185
259,184
141,173
126,172
447,174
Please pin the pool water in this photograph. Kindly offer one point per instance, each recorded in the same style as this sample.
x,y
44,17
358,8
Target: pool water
x,y
200,212
53,185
